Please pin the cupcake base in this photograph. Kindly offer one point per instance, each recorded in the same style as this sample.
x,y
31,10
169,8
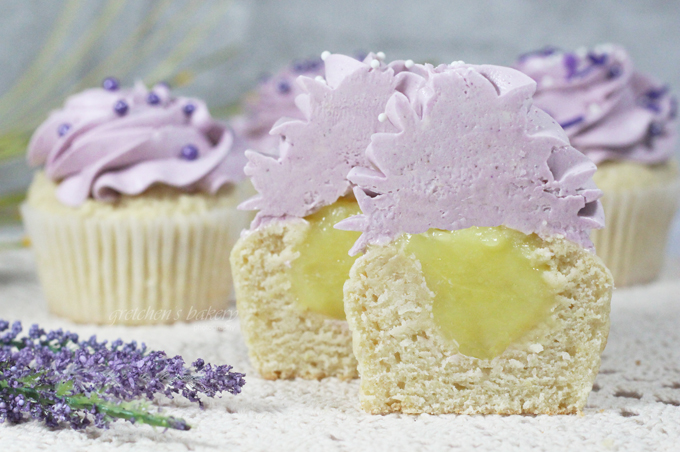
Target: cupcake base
x,y
638,218
160,257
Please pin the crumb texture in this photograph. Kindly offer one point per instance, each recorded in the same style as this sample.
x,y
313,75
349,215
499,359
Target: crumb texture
x,y
407,366
283,340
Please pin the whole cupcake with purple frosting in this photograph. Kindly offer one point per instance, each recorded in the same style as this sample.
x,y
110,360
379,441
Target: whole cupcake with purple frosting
x,y
624,121
133,215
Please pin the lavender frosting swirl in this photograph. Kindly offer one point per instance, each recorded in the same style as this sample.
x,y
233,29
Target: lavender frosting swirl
x,y
609,110
109,141
274,99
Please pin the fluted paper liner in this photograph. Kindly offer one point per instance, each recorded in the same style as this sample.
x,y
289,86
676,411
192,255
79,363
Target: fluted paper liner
x,y
637,221
135,271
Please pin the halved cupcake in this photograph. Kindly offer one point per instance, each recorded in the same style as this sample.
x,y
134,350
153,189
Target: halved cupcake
x,y
290,267
479,290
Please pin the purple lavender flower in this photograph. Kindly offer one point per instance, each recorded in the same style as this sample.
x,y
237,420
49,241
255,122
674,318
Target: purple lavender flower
x,y
54,377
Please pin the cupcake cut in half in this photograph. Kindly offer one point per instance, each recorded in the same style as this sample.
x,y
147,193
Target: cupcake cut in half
x,y
479,291
624,121
134,214
289,269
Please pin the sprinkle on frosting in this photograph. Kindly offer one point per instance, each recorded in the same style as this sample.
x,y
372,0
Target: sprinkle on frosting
x,y
103,152
63,129
189,109
153,98
190,152
609,110
469,149
317,152
110,84
121,107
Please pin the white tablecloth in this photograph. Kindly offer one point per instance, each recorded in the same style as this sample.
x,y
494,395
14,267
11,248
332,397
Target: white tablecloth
x,y
635,405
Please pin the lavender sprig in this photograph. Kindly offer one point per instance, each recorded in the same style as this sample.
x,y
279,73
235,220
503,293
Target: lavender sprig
x,y
54,377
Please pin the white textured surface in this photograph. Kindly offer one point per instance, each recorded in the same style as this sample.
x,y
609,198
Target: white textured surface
x,y
635,405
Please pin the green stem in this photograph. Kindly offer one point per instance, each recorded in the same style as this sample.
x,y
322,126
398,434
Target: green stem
x,y
112,410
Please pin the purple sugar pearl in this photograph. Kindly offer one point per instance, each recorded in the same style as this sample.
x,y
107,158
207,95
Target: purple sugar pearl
x,y
110,84
189,152
153,99
121,108
597,60
572,122
189,109
299,66
283,87
614,71
63,129
656,93
655,129
360,55
571,63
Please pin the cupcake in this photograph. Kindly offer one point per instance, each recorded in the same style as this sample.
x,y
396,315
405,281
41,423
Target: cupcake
x,y
624,122
273,99
290,267
133,215
478,291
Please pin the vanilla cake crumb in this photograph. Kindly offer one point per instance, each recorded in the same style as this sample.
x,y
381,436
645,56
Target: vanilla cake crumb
x,y
283,340
407,366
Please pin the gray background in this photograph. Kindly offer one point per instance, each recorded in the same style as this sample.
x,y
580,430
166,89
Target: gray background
x,y
261,36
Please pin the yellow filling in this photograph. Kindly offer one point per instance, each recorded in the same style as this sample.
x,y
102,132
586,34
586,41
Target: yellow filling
x,y
488,293
317,276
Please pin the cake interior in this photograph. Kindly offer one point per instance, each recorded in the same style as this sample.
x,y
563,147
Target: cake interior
x,y
289,276
409,363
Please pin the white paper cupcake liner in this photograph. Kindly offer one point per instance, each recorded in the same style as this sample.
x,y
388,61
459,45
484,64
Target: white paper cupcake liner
x,y
632,244
135,271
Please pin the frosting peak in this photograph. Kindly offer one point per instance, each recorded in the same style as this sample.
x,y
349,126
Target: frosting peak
x,y
609,110
470,149
107,142
340,113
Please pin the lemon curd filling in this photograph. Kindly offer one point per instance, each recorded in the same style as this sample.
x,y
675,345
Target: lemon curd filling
x,y
318,274
488,292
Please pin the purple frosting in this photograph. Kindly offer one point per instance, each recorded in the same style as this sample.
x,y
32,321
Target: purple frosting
x,y
105,143
317,152
609,110
273,99
469,149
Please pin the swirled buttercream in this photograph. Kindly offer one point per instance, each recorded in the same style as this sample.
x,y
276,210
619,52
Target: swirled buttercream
x,y
609,110
108,141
